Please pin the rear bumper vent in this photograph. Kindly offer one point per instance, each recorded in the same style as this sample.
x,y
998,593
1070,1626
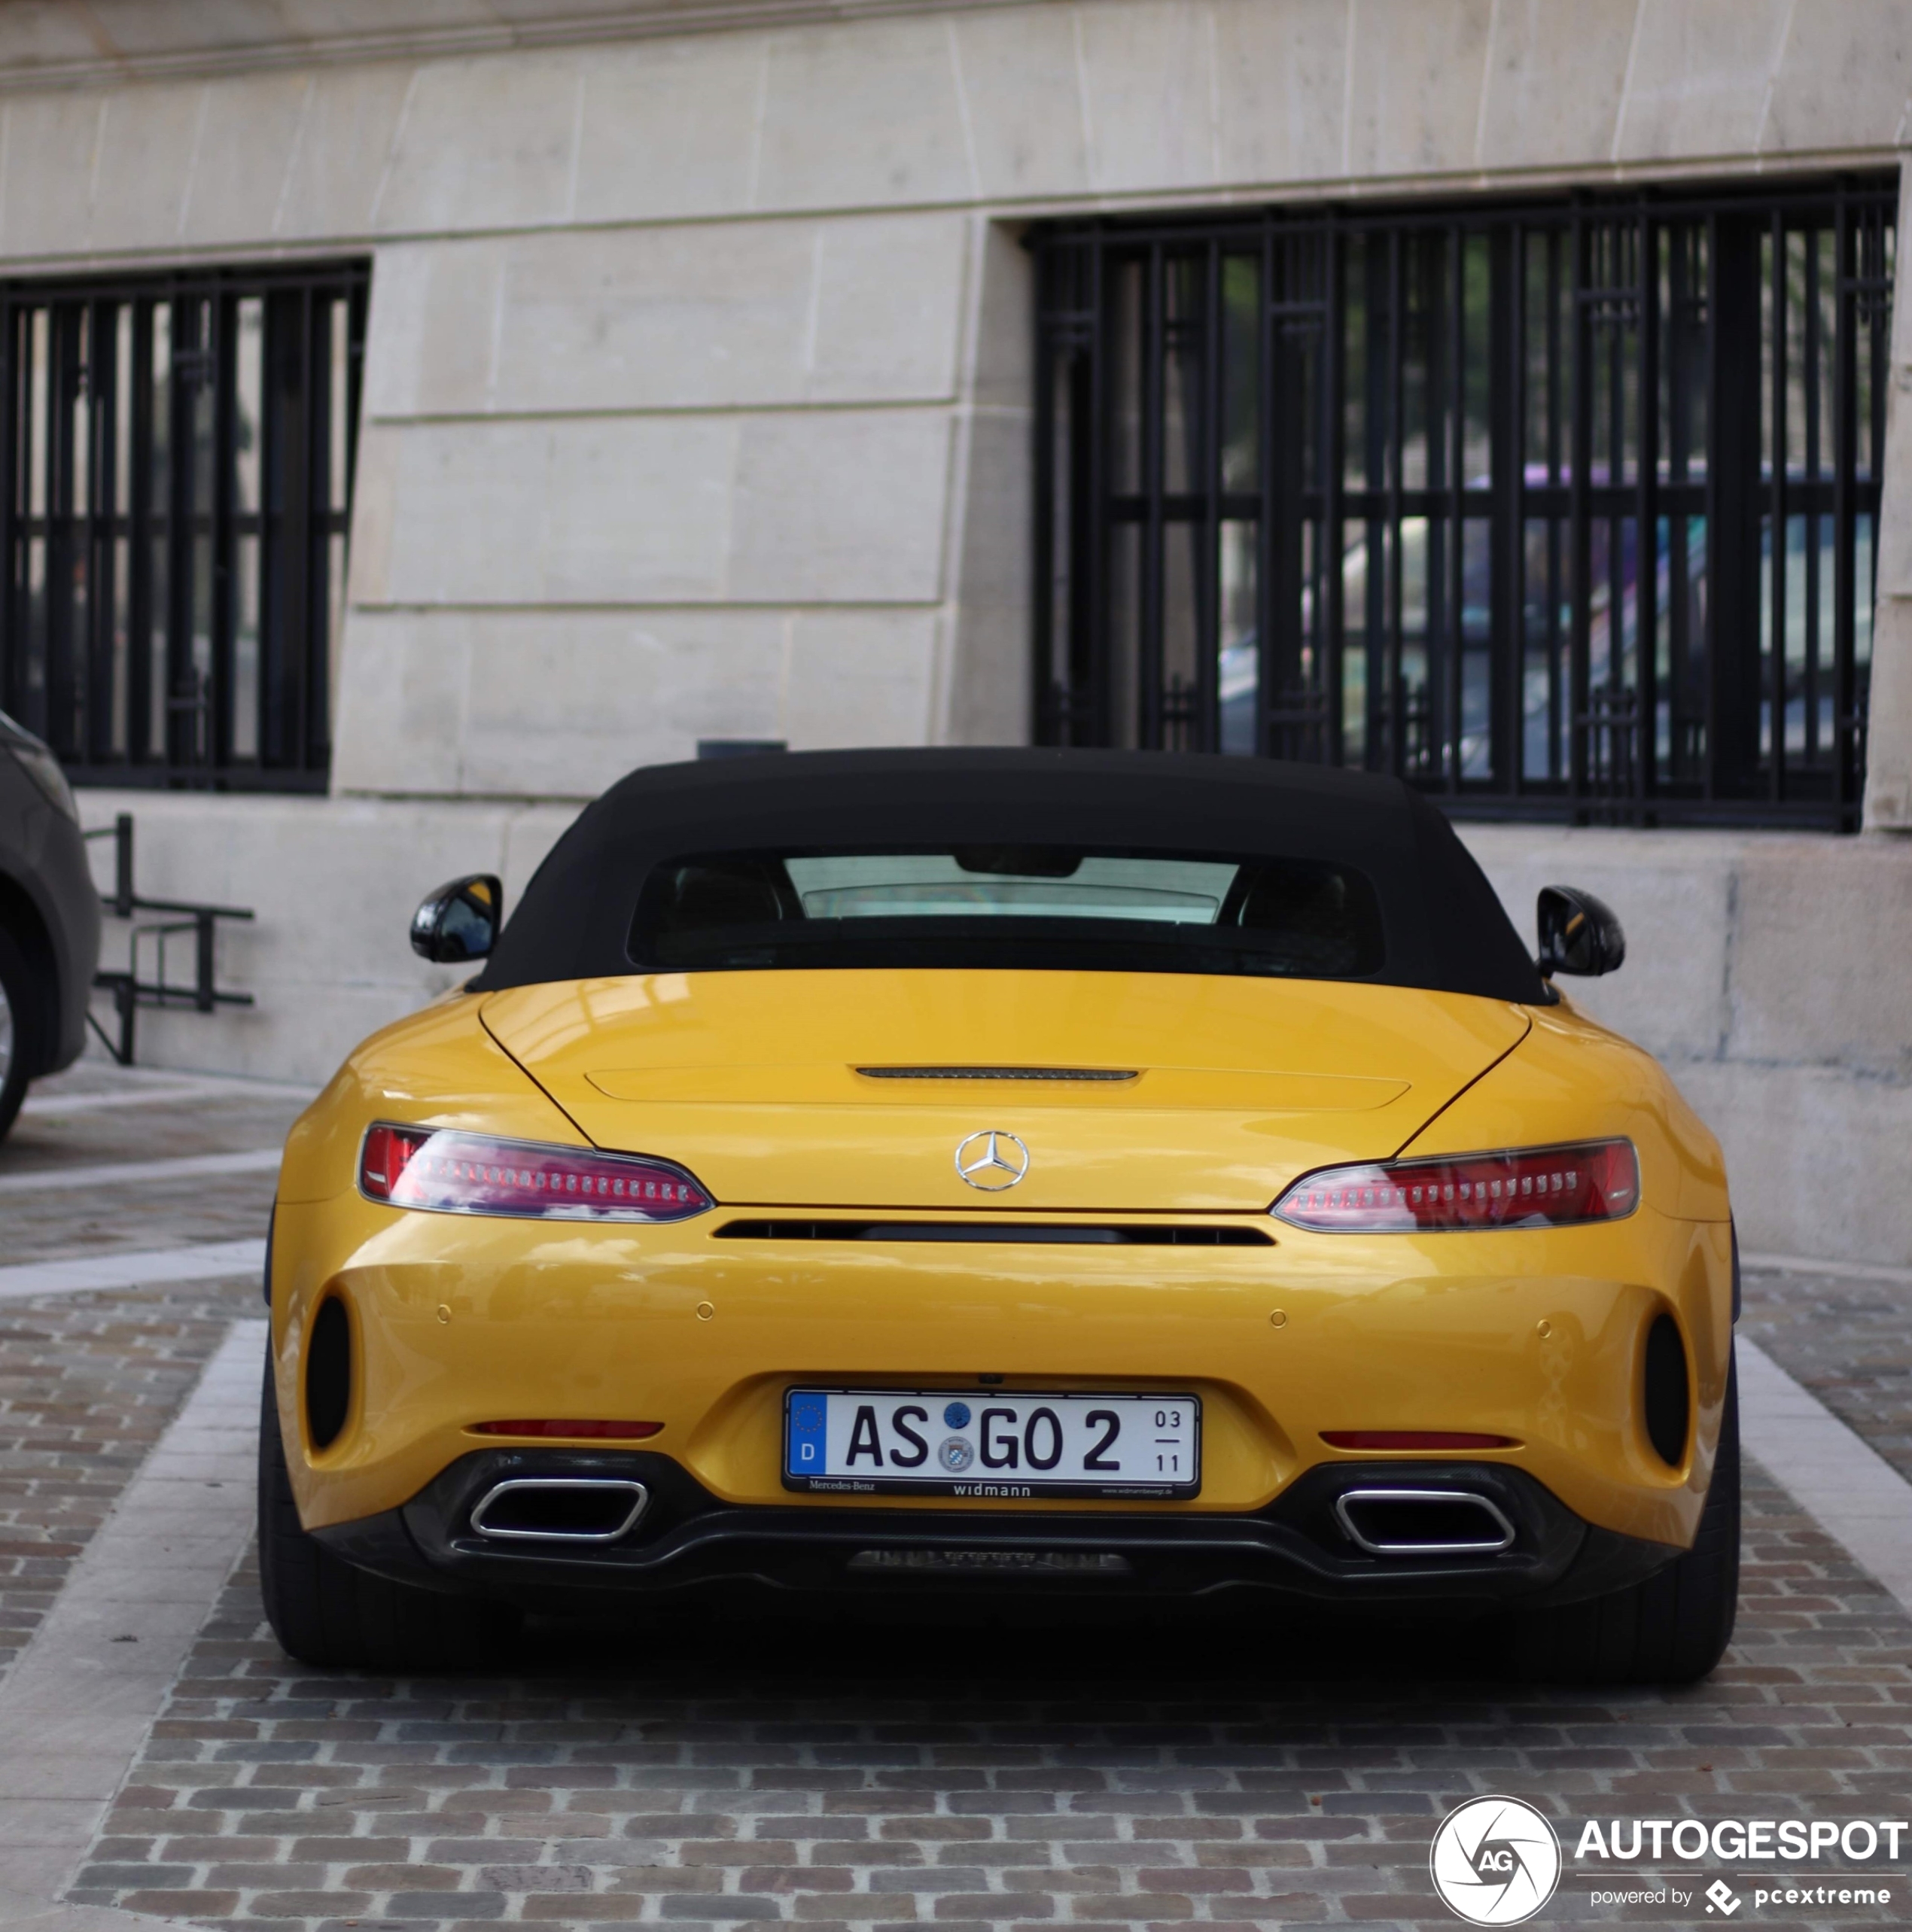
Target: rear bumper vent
x,y
328,1373
560,1509
1423,1522
1113,1234
1667,1409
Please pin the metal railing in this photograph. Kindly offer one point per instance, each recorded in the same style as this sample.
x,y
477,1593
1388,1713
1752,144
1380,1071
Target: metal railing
x,y
1563,508
129,991
175,503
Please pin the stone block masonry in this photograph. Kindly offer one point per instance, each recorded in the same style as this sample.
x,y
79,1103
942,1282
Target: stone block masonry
x,y
697,389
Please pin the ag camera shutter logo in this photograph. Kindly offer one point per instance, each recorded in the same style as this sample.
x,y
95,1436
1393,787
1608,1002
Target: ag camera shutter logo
x,y
1494,1861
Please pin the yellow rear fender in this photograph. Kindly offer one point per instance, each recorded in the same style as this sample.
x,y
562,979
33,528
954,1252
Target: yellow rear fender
x,y
1571,1079
438,1068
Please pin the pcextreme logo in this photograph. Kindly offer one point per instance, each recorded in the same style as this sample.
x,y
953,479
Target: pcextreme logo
x,y
1494,1861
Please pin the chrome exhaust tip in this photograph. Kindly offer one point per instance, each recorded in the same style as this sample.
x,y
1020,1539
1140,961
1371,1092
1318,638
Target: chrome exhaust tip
x,y
560,1509
1423,1522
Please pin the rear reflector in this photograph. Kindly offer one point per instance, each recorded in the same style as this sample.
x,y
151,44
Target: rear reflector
x,y
1412,1439
1540,1187
575,1432
470,1173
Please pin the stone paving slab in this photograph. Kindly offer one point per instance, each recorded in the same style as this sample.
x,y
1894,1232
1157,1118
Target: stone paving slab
x,y
104,1175
144,1127
88,1384
125,1213
127,1270
96,1075
80,1697
1831,1472
718,1772
134,1217
1848,1341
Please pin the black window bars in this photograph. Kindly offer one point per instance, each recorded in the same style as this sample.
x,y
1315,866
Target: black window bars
x,y
175,503
1370,488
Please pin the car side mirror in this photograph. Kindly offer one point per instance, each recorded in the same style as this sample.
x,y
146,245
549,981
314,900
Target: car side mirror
x,y
1578,933
460,921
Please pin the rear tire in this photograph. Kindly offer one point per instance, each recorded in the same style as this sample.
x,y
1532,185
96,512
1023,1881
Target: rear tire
x,y
325,1612
23,1001
1671,1629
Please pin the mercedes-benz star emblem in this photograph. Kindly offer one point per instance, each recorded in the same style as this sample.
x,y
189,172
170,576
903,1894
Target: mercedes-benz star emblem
x,y
992,1160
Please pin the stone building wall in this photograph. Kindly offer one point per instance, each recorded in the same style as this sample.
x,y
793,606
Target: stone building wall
x,y
697,404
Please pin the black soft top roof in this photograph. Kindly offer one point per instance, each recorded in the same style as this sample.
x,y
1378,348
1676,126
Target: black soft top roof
x,y
1445,929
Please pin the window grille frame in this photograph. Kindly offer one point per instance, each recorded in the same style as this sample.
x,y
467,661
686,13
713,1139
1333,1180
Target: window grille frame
x,y
122,614
1628,308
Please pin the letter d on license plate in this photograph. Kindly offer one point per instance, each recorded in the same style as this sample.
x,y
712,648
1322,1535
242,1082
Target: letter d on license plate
x,y
990,1445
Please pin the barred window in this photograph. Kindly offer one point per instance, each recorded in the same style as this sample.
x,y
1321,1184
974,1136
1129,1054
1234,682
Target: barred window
x,y
175,506
1562,509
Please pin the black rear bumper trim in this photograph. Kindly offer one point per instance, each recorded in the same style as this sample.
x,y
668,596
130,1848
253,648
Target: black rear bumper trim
x,y
689,1538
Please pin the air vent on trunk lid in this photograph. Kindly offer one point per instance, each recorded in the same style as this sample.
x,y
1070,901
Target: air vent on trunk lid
x,y
1103,1075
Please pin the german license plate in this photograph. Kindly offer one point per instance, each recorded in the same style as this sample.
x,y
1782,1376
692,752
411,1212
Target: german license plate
x,y
991,1446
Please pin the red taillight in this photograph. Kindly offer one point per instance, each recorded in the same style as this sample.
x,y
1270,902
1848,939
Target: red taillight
x,y
470,1174
577,1431
1538,1186
1413,1439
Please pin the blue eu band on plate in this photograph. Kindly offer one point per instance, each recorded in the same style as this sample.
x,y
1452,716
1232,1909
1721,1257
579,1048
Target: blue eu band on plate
x,y
875,1441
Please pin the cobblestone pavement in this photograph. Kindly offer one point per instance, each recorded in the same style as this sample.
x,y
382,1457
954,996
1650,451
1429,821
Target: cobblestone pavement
x,y
712,1772
87,1385
129,1217
1849,1341
88,1382
120,1216
679,1775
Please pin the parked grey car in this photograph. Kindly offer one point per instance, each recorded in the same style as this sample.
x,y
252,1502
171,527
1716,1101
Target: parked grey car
x,y
48,919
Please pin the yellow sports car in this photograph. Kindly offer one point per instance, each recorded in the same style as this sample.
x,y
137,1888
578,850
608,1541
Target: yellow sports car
x,y
1107,1175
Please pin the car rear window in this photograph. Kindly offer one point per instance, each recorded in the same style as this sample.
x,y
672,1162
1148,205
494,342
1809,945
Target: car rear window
x,y
1032,906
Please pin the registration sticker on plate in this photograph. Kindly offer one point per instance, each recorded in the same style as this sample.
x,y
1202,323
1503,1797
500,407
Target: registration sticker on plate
x,y
990,1445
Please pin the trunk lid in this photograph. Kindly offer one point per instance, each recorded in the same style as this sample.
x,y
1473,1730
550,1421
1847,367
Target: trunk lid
x,y
1169,1093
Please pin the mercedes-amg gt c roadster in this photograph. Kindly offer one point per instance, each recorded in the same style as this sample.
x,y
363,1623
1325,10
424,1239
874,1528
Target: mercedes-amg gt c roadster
x,y
1098,1175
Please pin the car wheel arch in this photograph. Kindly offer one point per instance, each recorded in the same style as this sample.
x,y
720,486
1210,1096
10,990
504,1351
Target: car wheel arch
x,y
23,922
